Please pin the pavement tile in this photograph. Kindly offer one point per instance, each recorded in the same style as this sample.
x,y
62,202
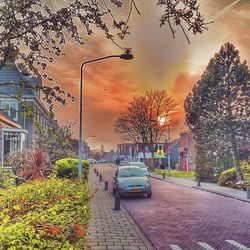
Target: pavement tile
x,y
109,229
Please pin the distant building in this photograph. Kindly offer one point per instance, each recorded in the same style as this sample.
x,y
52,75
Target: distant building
x,y
173,151
187,151
12,82
86,150
110,156
181,152
127,152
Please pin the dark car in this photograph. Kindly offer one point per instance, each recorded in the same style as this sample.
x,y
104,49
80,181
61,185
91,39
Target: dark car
x,y
131,180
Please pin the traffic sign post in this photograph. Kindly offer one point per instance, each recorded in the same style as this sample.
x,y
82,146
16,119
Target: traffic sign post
x,y
169,152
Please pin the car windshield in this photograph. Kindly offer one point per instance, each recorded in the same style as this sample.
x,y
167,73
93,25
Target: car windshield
x,y
138,164
130,172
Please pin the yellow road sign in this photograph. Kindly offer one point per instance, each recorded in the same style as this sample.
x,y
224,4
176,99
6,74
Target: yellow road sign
x,y
159,152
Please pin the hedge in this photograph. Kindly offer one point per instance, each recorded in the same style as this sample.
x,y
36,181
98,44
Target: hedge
x,y
228,178
68,168
48,214
7,178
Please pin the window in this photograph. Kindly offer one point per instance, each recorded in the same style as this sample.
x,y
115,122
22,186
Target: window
x,y
10,108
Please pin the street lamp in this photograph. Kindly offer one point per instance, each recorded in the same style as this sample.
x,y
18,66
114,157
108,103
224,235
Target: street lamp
x,y
125,56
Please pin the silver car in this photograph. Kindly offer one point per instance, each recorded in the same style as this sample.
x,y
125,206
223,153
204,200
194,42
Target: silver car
x,y
141,165
131,180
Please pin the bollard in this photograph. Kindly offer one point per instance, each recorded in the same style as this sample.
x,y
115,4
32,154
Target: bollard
x,y
248,193
198,182
100,178
163,175
106,186
97,173
117,202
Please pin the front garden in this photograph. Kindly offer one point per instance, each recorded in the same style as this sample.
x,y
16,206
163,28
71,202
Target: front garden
x,y
228,178
44,212
175,173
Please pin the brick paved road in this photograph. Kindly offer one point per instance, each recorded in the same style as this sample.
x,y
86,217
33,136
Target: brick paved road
x,y
111,229
186,218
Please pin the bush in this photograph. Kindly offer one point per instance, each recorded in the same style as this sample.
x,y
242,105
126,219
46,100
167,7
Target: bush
x,y
245,168
46,214
7,178
228,178
68,168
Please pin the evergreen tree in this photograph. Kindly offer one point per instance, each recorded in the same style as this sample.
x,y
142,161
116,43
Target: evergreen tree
x,y
218,108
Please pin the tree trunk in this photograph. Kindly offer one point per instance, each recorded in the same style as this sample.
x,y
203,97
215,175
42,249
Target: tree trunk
x,y
152,156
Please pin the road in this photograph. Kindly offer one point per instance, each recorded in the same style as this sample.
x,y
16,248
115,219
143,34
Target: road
x,y
178,217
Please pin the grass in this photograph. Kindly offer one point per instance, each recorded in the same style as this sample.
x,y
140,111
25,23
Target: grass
x,y
175,173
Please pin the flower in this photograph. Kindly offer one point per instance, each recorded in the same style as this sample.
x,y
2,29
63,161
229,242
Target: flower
x,y
79,230
54,230
51,229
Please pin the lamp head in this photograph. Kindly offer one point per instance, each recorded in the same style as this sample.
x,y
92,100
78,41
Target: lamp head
x,y
127,56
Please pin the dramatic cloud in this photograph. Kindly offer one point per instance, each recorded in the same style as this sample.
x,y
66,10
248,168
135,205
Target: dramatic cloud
x,y
159,62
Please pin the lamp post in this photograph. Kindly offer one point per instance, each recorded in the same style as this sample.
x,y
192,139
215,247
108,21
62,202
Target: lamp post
x,y
125,56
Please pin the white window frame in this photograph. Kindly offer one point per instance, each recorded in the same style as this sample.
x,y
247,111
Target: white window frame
x,y
10,103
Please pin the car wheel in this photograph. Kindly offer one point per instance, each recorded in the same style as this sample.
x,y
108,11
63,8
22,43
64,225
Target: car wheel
x,y
149,195
114,191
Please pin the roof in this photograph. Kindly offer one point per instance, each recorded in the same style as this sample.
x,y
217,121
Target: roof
x,y
6,120
9,74
173,143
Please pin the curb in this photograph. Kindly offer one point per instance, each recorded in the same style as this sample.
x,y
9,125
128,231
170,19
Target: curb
x,y
222,194
203,189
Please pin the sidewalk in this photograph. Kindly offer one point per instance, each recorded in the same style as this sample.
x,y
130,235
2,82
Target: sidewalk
x,y
209,187
109,229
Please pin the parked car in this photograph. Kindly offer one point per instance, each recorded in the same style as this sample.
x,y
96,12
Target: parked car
x,y
141,165
92,161
101,161
131,180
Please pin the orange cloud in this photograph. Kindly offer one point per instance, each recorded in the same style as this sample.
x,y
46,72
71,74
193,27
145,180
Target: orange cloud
x,y
182,86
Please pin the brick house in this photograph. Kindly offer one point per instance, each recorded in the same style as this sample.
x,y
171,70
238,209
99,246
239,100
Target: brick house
x,y
187,151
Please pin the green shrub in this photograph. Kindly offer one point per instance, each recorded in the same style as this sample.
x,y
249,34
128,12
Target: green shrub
x,y
228,177
7,178
46,214
68,168
245,168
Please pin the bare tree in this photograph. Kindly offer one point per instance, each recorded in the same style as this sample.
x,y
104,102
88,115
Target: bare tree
x,y
147,118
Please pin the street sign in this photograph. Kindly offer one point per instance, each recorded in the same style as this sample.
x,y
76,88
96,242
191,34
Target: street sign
x,y
159,152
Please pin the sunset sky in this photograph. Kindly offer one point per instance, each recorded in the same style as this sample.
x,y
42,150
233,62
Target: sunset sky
x,y
160,62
